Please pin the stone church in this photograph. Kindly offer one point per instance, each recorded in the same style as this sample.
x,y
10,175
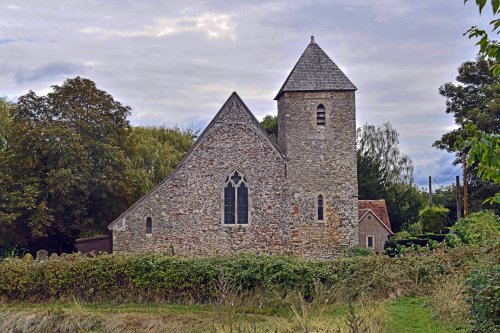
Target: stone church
x,y
237,191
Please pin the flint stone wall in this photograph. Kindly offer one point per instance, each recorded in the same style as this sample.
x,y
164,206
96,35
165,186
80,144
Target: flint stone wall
x,y
187,208
320,161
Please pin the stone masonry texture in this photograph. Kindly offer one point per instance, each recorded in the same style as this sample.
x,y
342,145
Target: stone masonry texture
x,y
187,208
284,183
321,160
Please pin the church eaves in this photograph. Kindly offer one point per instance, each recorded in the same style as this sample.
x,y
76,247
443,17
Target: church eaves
x,y
315,71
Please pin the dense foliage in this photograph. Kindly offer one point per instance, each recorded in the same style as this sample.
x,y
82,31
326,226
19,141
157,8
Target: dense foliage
x,y
485,294
71,163
381,143
446,196
270,124
479,229
385,173
5,122
161,277
484,146
433,219
484,149
474,102
155,152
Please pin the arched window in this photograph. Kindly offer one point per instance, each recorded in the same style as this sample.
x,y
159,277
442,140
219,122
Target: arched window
x,y
320,207
236,199
149,225
320,115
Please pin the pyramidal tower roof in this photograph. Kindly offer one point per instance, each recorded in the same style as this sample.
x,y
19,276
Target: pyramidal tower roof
x,y
315,71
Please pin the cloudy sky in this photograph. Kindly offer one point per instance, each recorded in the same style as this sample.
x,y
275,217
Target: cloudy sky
x,y
176,62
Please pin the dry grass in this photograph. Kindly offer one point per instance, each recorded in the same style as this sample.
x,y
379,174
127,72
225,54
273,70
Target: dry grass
x,y
317,314
448,301
74,320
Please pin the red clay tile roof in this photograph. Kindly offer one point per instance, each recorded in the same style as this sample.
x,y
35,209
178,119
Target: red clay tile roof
x,y
361,212
378,208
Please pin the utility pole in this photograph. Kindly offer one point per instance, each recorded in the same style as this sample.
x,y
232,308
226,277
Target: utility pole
x,y
459,208
430,191
464,162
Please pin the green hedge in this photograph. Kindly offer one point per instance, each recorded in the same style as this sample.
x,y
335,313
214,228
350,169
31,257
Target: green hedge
x,y
151,277
433,219
478,229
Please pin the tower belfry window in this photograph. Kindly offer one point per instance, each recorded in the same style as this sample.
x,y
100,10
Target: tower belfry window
x,y
236,199
320,115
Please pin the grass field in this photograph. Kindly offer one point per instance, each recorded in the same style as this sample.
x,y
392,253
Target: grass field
x,y
409,314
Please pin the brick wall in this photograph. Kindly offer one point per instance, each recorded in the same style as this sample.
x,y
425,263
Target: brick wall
x,y
94,244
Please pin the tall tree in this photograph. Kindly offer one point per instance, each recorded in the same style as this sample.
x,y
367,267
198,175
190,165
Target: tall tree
x,y
154,153
474,102
9,201
270,124
385,173
5,122
372,182
475,99
484,147
68,158
382,144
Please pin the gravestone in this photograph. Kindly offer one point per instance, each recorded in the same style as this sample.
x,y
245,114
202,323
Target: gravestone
x,y
53,256
42,255
28,257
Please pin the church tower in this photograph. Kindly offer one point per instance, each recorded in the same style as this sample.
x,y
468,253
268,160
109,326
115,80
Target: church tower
x,y
317,134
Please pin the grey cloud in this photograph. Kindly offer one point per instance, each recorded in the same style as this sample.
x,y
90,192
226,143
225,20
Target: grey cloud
x,y
54,70
397,53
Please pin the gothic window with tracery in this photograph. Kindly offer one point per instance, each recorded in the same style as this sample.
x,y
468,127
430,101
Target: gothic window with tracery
x,y
236,199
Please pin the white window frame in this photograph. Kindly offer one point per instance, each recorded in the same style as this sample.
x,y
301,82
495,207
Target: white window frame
x,y
373,242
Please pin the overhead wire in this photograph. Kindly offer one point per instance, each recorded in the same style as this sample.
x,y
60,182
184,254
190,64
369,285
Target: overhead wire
x,y
443,180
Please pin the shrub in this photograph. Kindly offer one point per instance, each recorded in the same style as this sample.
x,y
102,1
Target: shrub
x,y
360,251
148,277
485,293
401,235
414,228
433,219
481,228
427,242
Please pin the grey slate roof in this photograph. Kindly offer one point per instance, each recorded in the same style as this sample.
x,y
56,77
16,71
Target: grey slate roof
x,y
315,71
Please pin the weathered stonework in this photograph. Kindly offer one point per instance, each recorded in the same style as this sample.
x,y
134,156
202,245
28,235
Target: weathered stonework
x,y
187,208
320,160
